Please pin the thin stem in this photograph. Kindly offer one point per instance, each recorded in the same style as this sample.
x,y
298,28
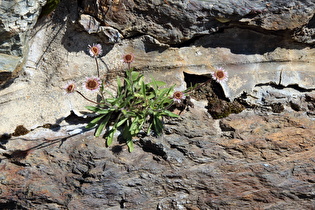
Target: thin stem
x,y
97,67
98,75
88,99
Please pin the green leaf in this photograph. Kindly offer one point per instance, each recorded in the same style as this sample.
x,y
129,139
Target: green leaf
x,y
121,122
134,75
128,84
100,128
103,111
92,108
149,129
155,84
143,89
157,125
93,122
151,95
138,95
102,125
110,137
126,132
162,93
134,127
111,100
171,114
130,145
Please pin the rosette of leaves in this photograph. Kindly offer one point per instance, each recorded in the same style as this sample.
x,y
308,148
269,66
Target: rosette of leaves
x,y
135,104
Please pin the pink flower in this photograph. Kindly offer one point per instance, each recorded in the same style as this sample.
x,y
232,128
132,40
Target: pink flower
x,y
128,58
70,87
95,50
92,84
178,96
220,75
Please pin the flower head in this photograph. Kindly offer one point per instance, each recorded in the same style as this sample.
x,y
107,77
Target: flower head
x,y
92,84
178,96
95,50
70,87
220,75
128,58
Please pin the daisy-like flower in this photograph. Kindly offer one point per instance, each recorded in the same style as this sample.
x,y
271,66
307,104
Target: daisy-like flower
x,y
220,75
92,84
95,50
178,96
70,87
128,58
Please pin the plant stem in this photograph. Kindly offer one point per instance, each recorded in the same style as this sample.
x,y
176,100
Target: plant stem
x,y
98,75
87,98
97,67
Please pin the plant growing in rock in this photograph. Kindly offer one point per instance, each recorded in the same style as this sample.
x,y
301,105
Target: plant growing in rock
x,y
135,105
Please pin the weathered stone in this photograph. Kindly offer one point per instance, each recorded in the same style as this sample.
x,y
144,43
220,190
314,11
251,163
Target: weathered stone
x,y
108,34
16,20
252,67
267,160
174,21
10,65
261,158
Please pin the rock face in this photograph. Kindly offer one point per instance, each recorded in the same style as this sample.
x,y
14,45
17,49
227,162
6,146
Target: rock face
x,y
260,44
261,158
175,22
267,162
16,20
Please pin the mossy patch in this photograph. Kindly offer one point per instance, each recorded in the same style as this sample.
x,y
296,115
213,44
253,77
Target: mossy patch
x,y
20,130
218,105
219,108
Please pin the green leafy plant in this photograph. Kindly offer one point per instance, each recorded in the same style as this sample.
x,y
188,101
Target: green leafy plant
x,y
134,105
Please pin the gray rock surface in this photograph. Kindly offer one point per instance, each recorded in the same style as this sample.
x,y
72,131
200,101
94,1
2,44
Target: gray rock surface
x,y
17,18
261,158
214,34
264,162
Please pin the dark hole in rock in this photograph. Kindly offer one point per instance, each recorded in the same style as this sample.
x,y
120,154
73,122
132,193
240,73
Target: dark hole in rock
x,y
204,88
122,203
295,106
149,146
277,107
11,205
